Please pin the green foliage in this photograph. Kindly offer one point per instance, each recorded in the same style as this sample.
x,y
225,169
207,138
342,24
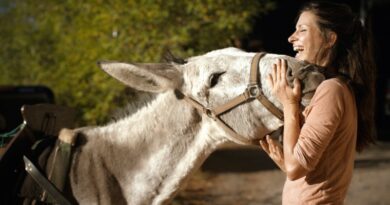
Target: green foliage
x,y
57,43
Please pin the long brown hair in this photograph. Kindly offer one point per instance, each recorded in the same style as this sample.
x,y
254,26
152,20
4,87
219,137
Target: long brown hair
x,y
352,55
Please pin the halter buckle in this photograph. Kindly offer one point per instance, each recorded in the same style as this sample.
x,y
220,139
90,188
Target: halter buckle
x,y
253,91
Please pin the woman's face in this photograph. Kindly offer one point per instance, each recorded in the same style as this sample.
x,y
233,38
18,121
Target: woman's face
x,y
307,40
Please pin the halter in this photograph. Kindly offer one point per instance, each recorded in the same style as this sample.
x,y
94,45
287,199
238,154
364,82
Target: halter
x,y
252,91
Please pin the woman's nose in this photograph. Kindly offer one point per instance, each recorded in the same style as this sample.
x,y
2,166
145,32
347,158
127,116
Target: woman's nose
x,y
292,38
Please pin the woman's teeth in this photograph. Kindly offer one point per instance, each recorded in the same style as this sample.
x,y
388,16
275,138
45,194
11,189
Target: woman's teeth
x,y
298,48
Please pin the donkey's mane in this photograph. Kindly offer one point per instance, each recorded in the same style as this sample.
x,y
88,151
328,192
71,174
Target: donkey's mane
x,y
137,101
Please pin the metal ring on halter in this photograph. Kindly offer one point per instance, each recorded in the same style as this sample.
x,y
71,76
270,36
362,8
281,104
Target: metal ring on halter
x,y
253,90
209,113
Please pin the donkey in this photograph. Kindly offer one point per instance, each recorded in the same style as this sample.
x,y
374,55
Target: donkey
x,y
145,158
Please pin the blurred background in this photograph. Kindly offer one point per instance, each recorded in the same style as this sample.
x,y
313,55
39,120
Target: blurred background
x,y
49,49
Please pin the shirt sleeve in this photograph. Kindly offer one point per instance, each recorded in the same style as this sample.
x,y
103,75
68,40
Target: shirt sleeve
x,y
322,118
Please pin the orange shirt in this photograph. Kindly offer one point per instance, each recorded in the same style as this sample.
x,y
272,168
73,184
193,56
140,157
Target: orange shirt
x,y
325,147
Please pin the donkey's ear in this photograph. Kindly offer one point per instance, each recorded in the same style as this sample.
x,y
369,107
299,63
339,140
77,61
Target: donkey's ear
x,y
151,77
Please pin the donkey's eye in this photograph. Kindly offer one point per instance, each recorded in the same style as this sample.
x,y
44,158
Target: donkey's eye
x,y
214,78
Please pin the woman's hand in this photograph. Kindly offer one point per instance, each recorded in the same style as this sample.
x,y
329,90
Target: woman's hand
x,y
290,99
280,88
275,150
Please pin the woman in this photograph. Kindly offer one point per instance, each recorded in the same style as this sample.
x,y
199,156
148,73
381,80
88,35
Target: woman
x,y
319,148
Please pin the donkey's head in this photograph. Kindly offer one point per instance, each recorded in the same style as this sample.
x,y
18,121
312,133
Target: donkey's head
x,y
214,79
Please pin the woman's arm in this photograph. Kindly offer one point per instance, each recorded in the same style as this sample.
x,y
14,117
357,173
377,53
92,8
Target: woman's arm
x,y
290,99
294,169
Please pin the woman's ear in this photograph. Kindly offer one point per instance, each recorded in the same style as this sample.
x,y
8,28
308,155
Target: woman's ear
x,y
332,37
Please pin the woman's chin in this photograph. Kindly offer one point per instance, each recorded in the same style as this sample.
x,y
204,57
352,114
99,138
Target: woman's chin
x,y
301,57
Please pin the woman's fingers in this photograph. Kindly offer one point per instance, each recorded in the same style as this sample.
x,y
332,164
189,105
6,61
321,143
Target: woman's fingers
x,y
273,148
283,70
274,73
270,80
278,74
280,87
270,144
264,146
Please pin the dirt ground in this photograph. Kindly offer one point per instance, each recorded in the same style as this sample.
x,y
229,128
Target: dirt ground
x,y
245,175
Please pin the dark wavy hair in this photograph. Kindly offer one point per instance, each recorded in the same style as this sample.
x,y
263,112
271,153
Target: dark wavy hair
x,y
352,55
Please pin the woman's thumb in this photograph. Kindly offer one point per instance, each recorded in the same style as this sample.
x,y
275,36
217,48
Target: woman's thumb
x,y
297,86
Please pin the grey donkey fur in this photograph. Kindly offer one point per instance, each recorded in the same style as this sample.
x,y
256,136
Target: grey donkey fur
x,y
146,157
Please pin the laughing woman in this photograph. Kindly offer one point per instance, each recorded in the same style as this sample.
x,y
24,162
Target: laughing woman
x,y
319,148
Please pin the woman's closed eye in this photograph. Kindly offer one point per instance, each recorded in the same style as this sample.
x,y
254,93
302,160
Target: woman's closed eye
x,y
214,78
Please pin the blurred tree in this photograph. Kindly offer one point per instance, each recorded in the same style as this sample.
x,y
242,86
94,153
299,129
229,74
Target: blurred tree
x,y
57,43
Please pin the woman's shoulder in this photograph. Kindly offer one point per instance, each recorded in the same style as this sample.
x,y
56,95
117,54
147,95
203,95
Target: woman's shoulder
x,y
331,95
333,89
332,84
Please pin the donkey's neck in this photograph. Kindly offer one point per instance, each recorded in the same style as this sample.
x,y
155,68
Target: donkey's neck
x,y
149,154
